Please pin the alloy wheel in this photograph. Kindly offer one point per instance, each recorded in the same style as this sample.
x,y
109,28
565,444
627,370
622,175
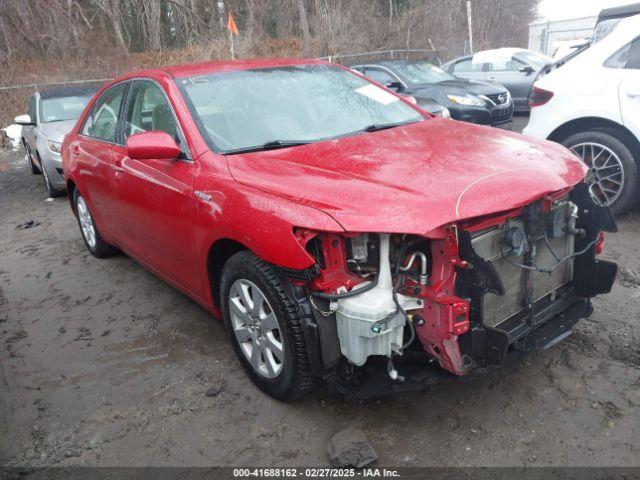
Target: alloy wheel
x,y
86,222
256,328
606,171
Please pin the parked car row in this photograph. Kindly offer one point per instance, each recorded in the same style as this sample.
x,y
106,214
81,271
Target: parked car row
x,y
485,88
471,101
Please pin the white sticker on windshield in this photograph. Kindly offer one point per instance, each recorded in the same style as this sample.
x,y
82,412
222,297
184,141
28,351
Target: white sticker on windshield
x,y
377,94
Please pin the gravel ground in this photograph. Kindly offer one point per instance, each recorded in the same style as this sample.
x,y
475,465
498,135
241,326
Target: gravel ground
x,y
104,364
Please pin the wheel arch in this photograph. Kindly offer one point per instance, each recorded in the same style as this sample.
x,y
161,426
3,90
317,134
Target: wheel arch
x,y
71,190
218,254
597,123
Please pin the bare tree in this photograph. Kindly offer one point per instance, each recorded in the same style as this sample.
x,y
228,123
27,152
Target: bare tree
x,y
304,27
39,29
112,10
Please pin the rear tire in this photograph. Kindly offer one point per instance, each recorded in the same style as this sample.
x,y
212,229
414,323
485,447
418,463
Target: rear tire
x,y
257,309
90,234
616,171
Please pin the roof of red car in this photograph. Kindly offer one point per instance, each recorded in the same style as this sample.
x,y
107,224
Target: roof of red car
x,y
189,70
193,69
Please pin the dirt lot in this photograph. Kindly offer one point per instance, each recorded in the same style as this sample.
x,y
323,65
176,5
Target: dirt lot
x,y
103,364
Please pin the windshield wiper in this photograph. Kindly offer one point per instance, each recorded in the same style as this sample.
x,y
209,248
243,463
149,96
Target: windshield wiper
x,y
270,145
383,126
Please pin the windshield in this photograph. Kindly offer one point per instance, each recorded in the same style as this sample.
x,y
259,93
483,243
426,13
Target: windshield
x,y
536,60
298,104
423,72
62,108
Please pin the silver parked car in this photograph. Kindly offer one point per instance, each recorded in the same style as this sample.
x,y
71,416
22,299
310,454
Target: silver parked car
x,y
50,115
514,68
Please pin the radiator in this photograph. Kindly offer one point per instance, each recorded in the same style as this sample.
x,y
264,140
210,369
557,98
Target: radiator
x,y
489,244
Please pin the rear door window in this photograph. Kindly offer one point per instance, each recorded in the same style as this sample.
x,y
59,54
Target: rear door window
x,y
102,122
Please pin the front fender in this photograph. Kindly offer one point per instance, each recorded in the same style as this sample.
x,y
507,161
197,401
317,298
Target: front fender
x,y
260,221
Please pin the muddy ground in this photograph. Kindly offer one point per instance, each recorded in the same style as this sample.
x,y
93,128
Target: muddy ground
x,y
104,364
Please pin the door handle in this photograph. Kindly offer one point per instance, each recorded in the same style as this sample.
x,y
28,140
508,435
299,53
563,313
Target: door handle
x,y
75,150
492,79
633,92
117,166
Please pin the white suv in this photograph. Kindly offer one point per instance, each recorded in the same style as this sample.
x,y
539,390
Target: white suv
x,y
591,105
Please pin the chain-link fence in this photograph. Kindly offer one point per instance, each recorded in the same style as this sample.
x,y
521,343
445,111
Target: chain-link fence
x,y
349,59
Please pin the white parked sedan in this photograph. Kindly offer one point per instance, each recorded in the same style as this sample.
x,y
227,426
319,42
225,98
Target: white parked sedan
x,y
591,105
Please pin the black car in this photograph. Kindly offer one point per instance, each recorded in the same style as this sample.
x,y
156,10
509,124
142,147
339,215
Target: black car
x,y
466,100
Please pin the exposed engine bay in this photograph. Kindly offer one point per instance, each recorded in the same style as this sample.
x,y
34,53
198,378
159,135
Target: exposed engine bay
x,y
466,296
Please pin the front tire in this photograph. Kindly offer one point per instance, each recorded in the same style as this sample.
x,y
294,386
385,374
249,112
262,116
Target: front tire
x,y
32,166
53,192
264,327
90,234
613,169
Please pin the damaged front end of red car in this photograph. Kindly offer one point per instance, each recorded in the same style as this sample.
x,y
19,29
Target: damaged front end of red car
x,y
389,311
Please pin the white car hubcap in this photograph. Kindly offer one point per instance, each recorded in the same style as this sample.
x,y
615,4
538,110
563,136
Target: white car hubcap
x,y
606,171
256,328
86,223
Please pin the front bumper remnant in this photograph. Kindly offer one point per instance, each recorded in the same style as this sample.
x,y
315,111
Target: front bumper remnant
x,y
505,348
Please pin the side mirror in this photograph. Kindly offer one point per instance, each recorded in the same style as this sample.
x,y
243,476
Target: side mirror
x,y
23,120
526,69
397,86
154,145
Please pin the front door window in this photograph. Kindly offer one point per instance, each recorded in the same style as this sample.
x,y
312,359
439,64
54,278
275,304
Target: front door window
x,y
148,109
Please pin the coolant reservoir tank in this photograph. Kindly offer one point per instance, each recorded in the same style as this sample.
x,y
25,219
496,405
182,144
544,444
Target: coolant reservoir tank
x,y
370,324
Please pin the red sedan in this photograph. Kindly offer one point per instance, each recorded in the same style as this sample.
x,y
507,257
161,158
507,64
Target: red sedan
x,y
343,234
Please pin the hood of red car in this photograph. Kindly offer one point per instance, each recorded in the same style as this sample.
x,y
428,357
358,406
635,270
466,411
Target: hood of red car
x,y
415,178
